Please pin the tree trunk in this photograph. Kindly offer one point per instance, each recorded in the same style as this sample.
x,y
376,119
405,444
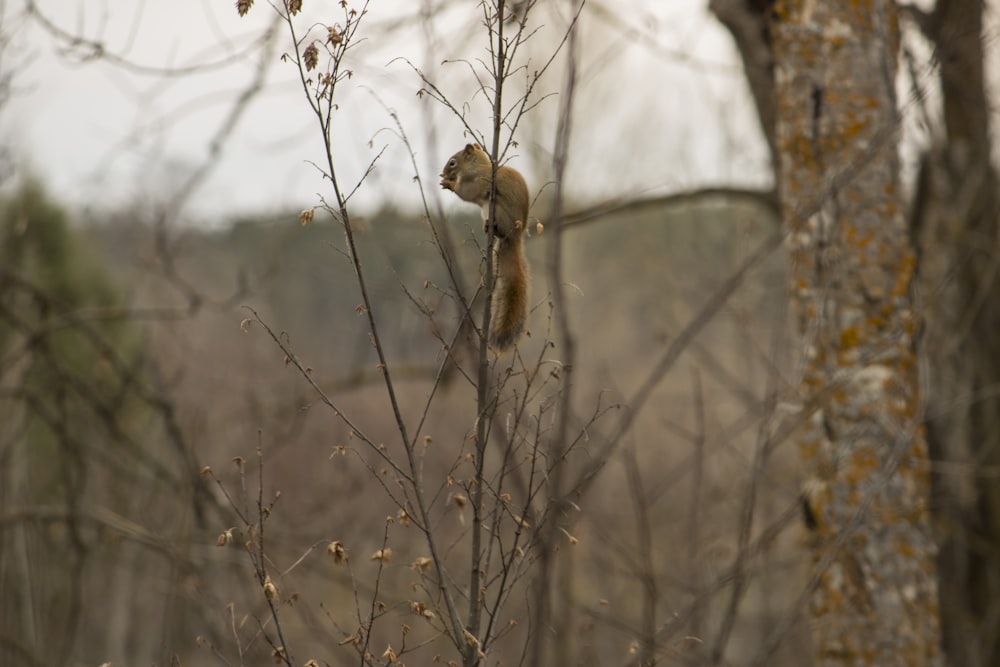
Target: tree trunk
x,y
875,597
748,21
956,220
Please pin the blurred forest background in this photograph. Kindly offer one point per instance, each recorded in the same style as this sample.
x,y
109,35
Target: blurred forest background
x,y
199,460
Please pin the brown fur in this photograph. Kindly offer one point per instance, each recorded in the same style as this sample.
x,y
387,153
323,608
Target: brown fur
x,y
468,174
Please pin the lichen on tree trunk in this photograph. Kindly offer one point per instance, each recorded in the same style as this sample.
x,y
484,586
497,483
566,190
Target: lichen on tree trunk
x,y
875,602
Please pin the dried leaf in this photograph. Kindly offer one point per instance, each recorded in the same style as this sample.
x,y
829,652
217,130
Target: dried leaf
x,y
270,590
310,57
383,555
336,549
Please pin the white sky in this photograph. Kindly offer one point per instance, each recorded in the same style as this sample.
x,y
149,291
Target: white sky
x,y
662,105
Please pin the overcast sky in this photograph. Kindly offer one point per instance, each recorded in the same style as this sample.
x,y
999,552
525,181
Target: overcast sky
x,y
662,105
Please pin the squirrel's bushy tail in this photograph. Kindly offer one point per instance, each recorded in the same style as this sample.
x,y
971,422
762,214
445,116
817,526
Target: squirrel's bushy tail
x,y
512,293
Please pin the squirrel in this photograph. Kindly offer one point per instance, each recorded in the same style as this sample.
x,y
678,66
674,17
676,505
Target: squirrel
x,y
468,174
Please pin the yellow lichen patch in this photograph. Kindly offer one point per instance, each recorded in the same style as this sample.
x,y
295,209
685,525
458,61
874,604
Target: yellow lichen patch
x,y
862,465
918,450
903,274
889,209
814,383
849,337
906,550
801,258
801,152
860,241
876,324
835,599
780,10
853,130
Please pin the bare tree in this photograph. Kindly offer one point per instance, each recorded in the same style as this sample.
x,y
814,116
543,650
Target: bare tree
x,y
956,224
522,432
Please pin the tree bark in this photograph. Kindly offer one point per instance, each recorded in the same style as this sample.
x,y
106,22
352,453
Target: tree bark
x,y
851,264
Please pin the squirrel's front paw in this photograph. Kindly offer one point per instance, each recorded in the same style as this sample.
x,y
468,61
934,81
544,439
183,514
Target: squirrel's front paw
x,y
447,184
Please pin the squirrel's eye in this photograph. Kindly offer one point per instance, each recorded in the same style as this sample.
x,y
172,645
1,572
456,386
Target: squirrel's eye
x,y
451,163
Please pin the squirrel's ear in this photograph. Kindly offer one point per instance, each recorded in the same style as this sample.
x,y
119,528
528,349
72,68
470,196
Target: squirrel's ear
x,y
470,149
